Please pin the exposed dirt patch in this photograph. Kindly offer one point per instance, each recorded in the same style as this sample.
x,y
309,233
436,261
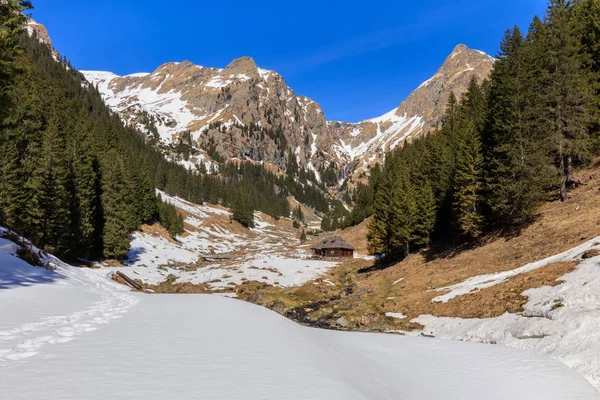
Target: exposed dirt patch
x,y
170,286
590,254
157,230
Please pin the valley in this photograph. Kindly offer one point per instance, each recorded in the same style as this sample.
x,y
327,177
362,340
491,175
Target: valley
x,y
525,291
208,231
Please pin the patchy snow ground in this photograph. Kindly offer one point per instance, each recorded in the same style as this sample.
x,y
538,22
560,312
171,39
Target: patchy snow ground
x,y
561,321
264,253
74,334
477,283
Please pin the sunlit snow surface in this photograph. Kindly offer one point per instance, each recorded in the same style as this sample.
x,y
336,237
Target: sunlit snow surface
x,y
262,254
74,334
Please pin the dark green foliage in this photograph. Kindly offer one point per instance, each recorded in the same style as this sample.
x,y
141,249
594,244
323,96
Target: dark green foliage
x,y
364,197
298,216
169,218
566,97
117,207
468,177
518,168
243,212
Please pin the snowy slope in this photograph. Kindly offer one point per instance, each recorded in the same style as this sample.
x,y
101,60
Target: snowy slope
x,y
40,308
390,131
561,321
88,338
263,253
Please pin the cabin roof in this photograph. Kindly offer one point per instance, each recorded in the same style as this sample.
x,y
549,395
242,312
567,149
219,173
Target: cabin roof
x,y
332,243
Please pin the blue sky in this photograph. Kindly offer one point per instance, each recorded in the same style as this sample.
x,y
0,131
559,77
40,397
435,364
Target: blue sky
x,y
357,59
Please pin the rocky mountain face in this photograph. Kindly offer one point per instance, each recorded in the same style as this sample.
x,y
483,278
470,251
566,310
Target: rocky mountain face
x,y
241,111
40,31
365,143
199,114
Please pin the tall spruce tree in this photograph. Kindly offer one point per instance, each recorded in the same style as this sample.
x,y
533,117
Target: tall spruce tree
x,y
117,209
468,179
587,26
49,210
567,94
518,168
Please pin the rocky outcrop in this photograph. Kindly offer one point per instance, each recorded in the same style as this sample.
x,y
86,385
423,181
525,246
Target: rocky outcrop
x,y
34,28
241,111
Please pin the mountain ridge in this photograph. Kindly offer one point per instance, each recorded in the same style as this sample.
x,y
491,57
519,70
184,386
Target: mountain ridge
x,y
246,112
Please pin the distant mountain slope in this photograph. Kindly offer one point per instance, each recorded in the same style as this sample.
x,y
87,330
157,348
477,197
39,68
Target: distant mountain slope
x,y
367,141
241,111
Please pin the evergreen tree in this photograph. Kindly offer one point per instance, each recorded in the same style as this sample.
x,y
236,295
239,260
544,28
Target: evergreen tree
x,y
49,211
298,216
468,178
587,27
303,236
566,90
380,230
402,214
117,210
243,212
169,218
425,214
517,164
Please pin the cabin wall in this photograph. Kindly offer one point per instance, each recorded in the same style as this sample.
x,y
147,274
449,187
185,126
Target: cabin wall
x,y
334,253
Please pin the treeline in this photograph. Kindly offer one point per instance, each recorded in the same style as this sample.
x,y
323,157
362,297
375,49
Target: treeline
x,y
509,142
77,181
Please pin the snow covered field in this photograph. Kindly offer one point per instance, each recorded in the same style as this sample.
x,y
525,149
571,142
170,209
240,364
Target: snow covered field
x,y
265,253
73,334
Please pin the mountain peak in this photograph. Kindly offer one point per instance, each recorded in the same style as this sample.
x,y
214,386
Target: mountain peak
x,y
243,65
464,55
460,48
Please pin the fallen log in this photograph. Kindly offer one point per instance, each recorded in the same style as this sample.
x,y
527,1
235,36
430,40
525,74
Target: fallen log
x,y
130,281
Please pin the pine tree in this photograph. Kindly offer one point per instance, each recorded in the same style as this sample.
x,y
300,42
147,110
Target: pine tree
x,y
566,91
12,21
468,179
243,212
303,236
325,224
298,216
116,234
517,165
380,235
402,214
425,214
587,27
48,212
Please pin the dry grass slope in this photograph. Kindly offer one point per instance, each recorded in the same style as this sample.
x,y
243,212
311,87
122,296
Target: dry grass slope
x,y
363,299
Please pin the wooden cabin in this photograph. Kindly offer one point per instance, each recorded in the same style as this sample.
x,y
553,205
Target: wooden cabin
x,y
333,247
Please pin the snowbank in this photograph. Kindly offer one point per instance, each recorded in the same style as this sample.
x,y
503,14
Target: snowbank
x,y
561,321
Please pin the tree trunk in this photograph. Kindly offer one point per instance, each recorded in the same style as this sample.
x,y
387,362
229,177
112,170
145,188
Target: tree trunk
x,y
564,175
